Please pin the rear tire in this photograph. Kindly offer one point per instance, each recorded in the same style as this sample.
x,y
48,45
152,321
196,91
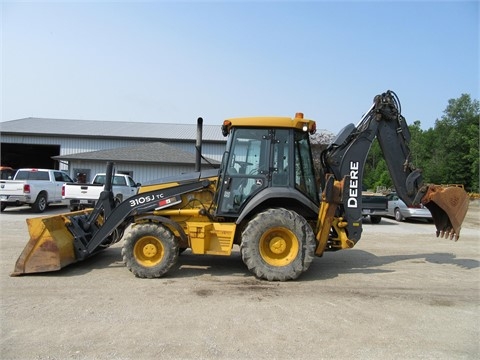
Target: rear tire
x,y
40,204
278,245
150,251
375,219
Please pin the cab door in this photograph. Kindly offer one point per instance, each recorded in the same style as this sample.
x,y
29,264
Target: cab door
x,y
246,169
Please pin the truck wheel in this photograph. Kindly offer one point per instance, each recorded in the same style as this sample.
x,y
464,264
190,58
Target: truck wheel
x,y
40,204
117,201
375,219
150,250
3,206
398,215
278,245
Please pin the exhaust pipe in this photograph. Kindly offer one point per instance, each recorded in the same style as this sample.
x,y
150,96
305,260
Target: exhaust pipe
x,y
109,176
198,145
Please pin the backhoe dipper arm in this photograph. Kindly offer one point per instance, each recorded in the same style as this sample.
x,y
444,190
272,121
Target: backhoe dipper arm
x,y
345,158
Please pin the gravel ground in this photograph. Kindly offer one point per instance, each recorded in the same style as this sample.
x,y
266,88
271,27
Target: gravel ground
x,y
401,293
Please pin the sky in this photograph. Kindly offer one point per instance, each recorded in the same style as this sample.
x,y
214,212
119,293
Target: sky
x,y
173,61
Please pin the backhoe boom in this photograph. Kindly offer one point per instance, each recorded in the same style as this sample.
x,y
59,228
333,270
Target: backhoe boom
x,y
345,158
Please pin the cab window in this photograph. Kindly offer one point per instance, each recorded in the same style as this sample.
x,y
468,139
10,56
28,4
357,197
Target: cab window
x,y
304,170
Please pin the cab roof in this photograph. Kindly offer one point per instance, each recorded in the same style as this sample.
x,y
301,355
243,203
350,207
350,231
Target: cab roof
x,y
297,122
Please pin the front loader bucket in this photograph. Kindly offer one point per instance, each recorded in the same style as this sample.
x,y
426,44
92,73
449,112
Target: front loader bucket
x,y
448,206
50,246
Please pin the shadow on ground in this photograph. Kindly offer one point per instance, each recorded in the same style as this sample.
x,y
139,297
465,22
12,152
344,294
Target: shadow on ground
x,y
329,266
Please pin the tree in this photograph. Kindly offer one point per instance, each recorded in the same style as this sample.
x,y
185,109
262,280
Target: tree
x,y
375,172
456,143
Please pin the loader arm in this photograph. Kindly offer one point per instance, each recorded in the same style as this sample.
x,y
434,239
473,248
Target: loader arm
x,y
59,240
344,160
89,237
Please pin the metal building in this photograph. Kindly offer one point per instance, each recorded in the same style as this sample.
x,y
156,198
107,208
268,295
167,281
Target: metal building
x,y
146,151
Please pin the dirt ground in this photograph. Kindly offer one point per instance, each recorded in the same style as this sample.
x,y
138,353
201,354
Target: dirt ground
x,y
401,293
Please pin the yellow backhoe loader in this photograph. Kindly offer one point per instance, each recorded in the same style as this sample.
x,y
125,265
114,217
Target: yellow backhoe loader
x,y
264,198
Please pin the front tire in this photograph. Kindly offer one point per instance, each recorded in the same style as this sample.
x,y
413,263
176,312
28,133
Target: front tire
x,y
117,201
150,251
398,215
278,245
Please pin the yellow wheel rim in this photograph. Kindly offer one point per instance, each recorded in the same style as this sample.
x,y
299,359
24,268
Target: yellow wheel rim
x,y
148,251
278,246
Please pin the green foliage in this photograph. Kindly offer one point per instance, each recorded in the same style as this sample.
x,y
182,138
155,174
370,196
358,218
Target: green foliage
x,y
458,142
376,172
447,154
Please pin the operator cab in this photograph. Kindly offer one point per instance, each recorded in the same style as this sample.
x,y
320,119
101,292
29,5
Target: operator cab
x,y
257,159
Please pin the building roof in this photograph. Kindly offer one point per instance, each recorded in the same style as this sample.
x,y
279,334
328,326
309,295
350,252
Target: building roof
x,y
110,129
156,152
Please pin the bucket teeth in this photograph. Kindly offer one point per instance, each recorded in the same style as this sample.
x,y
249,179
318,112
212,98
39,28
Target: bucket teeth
x,y
448,233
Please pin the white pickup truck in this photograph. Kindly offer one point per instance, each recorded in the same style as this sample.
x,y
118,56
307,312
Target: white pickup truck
x,y
35,187
83,196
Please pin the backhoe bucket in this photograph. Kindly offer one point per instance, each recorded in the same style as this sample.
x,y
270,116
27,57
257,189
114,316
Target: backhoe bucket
x,y
50,246
448,206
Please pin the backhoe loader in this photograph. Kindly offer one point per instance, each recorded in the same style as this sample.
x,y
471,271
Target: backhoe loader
x,y
265,198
